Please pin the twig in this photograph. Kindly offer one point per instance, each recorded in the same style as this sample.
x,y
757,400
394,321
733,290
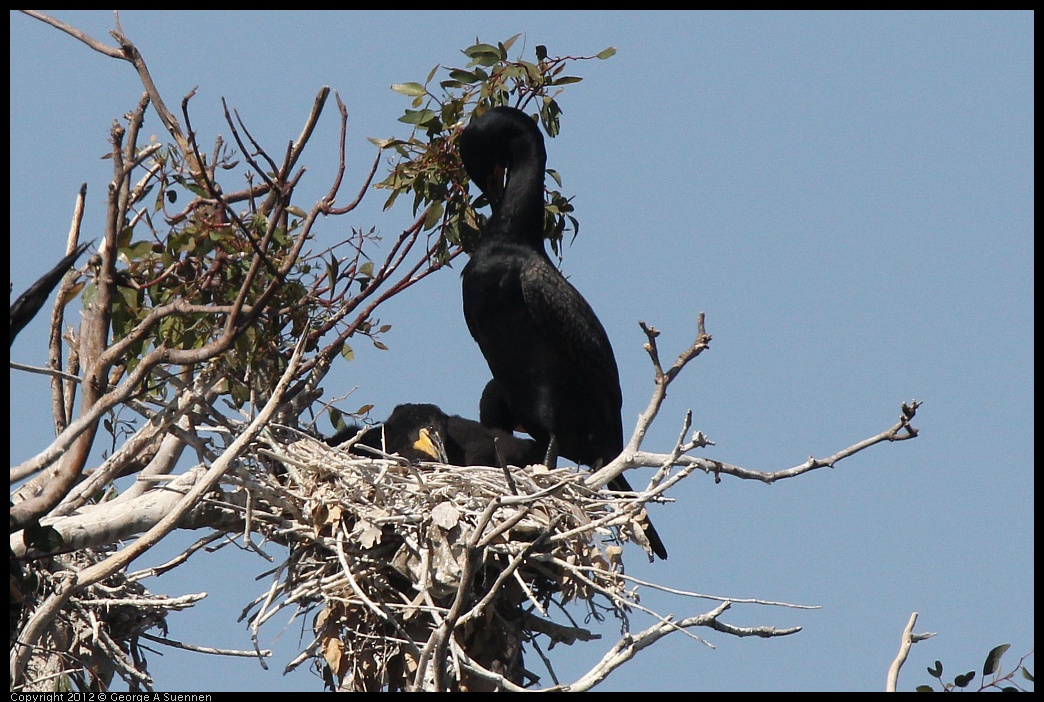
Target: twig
x,y
901,431
205,649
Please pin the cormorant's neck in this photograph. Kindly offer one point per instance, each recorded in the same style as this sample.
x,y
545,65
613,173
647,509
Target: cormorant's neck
x,y
520,214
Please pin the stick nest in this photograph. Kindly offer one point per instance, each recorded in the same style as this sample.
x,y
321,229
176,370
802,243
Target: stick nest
x,y
432,576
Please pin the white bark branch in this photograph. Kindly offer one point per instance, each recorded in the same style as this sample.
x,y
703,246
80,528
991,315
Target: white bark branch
x,y
909,638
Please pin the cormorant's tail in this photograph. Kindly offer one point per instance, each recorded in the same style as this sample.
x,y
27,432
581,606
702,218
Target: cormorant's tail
x,y
620,483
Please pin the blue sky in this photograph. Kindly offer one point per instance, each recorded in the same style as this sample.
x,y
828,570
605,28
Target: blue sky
x,y
847,196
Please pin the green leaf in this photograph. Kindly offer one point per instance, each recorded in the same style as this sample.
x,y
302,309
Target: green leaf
x,y
483,54
337,419
605,53
124,238
463,76
411,89
129,296
363,410
566,80
417,116
391,199
431,73
992,664
1026,674
937,671
196,189
924,688
478,49
332,269
385,143
536,78
366,269
434,215
541,52
44,538
519,71
964,680
347,353
507,44
138,250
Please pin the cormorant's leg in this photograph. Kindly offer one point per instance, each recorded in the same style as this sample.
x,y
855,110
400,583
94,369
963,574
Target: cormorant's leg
x,y
551,457
500,459
504,467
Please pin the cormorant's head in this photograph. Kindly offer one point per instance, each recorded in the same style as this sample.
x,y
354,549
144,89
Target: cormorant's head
x,y
417,432
494,142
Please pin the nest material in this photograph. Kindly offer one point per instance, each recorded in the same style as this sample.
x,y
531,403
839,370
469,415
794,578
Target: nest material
x,y
432,576
95,637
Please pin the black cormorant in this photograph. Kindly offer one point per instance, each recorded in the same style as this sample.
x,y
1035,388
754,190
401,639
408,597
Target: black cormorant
x,y
415,432
30,302
545,346
423,432
471,444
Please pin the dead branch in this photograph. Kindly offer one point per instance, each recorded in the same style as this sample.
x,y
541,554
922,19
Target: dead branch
x,y
634,457
63,392
909,638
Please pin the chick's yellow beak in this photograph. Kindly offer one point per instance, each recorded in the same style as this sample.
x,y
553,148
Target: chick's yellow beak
x,y
430,444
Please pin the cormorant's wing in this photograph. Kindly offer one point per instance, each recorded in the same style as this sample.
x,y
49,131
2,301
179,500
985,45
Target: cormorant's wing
x,y
571,328
484,446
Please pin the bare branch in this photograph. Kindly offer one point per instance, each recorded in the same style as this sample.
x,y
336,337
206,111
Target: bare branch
x,y
629,645
54,342
77,34
909,638
633,457
901,431
207,649
329,200
662,379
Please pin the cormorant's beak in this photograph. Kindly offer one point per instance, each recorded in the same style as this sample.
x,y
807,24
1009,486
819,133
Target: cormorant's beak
x,y
495,187
430,443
